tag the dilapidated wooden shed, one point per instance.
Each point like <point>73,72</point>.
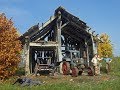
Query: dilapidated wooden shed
<point>63,31</point>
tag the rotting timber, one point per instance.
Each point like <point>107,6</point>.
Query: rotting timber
<point>61,33</point>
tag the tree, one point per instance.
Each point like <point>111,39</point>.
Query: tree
<point>105,46</point>
<point>10,47</point>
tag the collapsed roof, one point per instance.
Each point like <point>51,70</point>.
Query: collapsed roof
<point>71,25</point>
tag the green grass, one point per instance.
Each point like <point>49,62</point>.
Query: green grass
<point>112,84</point>
<point>103,82</point>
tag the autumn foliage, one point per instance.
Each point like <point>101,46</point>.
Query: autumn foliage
<point>10,47</point>
<point>105,46</point>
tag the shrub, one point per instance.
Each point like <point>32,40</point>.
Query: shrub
<point>10,48</point>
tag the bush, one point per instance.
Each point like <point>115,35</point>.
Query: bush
<point>20,71</point>
<point>10,48</point>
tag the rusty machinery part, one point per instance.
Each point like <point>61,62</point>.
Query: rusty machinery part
<point>80,72</point>
<point>81,69</point>
<point>75,72</point>
<point>90,71</point>
<point>65,68</point>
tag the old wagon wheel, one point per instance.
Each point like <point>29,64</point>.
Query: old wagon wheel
<point>90,71</point>
<point>75,72</point>
<point>65,68</point>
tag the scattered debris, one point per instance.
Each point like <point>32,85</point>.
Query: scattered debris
<point>25,81</point>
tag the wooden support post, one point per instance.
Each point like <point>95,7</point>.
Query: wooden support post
<point>26,49</point>
<point>31,55</point>
<point>94,46</point>
<point>66,44</point>
<point>88,63</point>
<point>59,23</point>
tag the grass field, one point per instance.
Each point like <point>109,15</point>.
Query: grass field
<point>103,82</point>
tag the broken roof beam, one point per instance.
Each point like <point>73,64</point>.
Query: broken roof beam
<point>89,30</point>
<point>40,33</point>
<point>79,26</point>
<point>93,33</point>
<point>68,15</point>
<point>43,45</point>
<point>30,31</point>
<point>65,24</point>
<point>77,32</point>
<point>44,25</point>
<point>72,36</point>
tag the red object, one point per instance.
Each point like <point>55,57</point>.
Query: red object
<point>74,72</point>
<point>65,68</point>
<point>90,71</point>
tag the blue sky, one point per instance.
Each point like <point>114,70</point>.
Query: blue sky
<point>103,16</point>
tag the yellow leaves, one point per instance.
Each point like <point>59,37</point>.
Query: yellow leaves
<point>105,47</point>
<point>10,47</point>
